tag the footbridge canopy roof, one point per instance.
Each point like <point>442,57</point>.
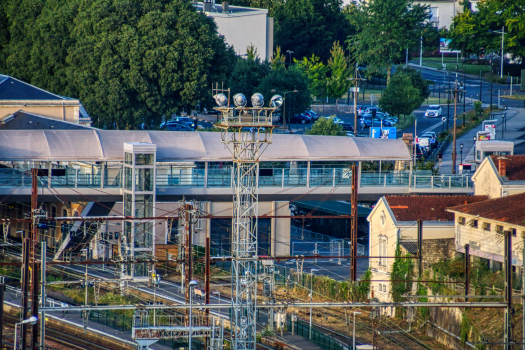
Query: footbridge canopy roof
<point>108,145</point>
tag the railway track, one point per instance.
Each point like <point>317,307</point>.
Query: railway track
<point>68,340</point>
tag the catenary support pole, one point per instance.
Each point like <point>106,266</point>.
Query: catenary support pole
<point>353,265</point>
<point>34,266</point>
<point>207,281</point>
<point>420,248</point>
<point>2,290</point>
<point>25,290</point>
<point>507,331</point>
<point>467,269</point>
<point>523,292</point>
<point>43,296</point>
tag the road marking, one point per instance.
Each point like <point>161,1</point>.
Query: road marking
<point>432,127</point>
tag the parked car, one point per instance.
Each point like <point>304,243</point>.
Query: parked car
<point>368,122</point>
<point>175,126</point>
<point>361,109</point>
<point>350,134</point>
<point>432,138</point>
<point>347,127</point>
<point>185,120</point>
<point>210,111</point>
<point>300,119</point>
<point>433,111</point>
<point>312,114</point>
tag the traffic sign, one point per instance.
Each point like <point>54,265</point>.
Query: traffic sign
<point>353,89</point>
<point>444,119</point>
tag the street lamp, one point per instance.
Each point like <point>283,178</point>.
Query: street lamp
<point>284,104</point>
<point>502,32</point>
<point>311,296</point>
<point>290,52</point>
<point>353,338</point>
<point>461,152</point>
<point>193,284</point>
<point>33,320</point>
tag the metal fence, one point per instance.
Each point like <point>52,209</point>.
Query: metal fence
<point>319,338</point>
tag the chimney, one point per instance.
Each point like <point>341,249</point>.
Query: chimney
<point>225,7</point>
<point>502,166</point>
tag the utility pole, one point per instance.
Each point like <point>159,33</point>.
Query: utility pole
<point>523,291</point>
<point>467,269</point>
<point>2,290</point>
<point>420,248</point>
<point>25,288</point>
<point>43,296</point>
<point>34,268</point>
<point>356,80</point>
<point>353,232</point>
<point>207,261</point>
<point>507,331</point>
<point>454,156</point>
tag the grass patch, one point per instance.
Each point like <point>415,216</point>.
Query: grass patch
<point>514,97</point>
<point>405,122</point>
<point>451,62</point>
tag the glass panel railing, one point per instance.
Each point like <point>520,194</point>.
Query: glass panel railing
<point>10,177</point>
<point>220,177</point>
<point>295,177</point>
<point>388,179</point>
<point>89,180</point>
<point>442,181</point>
<point>271,177</point>
<point>195,178</point>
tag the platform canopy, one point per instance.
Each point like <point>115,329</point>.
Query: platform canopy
<point>108,145</point>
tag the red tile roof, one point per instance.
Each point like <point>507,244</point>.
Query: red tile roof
<point>515,166</point>
<point>509,209</point>
<point>427,208</point>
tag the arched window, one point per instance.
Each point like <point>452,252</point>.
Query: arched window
<point>53,211</point>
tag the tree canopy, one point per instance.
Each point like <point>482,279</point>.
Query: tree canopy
<point>400,96</point>
<point>326,126</point>
<point>128,62</point>
<point>385,28</point>
<point>340,72</point>
<point>283,80</point>
<point>417,81</point>
<point>470,30</point>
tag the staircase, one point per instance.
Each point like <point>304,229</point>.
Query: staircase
<point>82,232</point>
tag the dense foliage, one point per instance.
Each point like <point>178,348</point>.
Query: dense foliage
<point>128,62</point>
<point>400,97</point>
<point>470,31</point>
<point>385,29</point>
<point>326,126</point>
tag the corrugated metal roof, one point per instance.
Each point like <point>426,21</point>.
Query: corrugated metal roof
<point>105,145</point>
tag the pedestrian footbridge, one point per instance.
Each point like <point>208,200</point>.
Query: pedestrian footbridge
<point>88,165</point>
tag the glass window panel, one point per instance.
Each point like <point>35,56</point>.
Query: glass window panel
<point>128,158</point>
<point>144,159</point>
<point>143,206</point>
<point>128,179</point>
<point>128,204</point>
<point>143,180</point>
<point>144,235</point>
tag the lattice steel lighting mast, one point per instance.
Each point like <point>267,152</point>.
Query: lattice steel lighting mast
<point>244,130</point>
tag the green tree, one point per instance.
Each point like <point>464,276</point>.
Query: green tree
<point>417,81</point>
<point>316,72</point>
<point>401,277</point>
<point>247,75</point>
<point>283,80</point>
<point>326,126</point>
<point>400,96</point>
<point>309,27</point>
<point>385,29</point>
<point>278,60</point>
<point>470,30</point>
<point>129,62</point>
<point>338,82</point>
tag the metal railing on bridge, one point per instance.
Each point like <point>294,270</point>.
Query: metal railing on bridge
<point>330,177</point>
